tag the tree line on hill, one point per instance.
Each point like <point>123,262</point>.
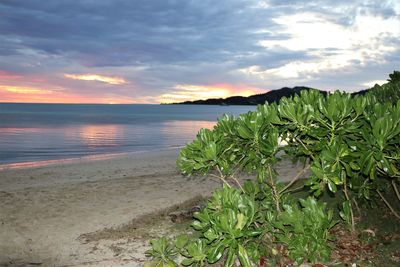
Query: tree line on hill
<point>275,95</point>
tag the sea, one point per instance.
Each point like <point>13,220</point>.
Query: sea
<point>35,134</point>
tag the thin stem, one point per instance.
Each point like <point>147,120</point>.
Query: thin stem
<point>299,174</point>
<point>388,205</point>
<point>357,207</point>
<point>332,133</point>
<point>274,191</point>
<point>354,119</point>
<point>301,142</point>
<point>237,182</point>
<point>295,189</point>
<point>395,189</point>
<point>237,167</point>
<point>220,178</point>
<point>351,209</point>
<point>323,122</point>
<point>395,158</point>
<point>219,171</point>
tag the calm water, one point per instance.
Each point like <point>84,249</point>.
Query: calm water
<point>43,132</point>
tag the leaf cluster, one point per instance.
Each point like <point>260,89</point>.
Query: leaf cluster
<point>236,226</point>
<point>350,143</point>
<point>305,230</point>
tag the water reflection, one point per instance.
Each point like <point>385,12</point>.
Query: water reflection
<point>30,147</point>
<point>183,131</point>
<point>101,135</point>
<point>15,131</point>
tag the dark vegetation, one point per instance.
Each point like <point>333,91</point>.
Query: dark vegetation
<point>274,96</point>
<point>347,212</point>
<point>270,97</point>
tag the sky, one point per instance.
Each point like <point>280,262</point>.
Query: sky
<point>163,51</point>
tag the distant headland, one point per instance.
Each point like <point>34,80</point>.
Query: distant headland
<point>270,97</point>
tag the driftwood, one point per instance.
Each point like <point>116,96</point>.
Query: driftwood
<point>181,216</point>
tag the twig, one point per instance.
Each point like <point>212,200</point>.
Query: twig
<point>295,178</point>
<point>351,209</point>
<point>357,207</point>
<point>236,169</point>
<point>295,189</point>
<point>395,189</point>
<point>274,191</point>
<point>237,182</point>
<point>220,178</point>
<point>301,142</point>
<point>388,205</point>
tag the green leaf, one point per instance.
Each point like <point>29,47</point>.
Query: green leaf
<point>354,166</point>
<point>210,151</point>
<point>187,262</point>
<point>181,241</point>
<point>215,253</point>
<point>230,258</point>
<point>243,257</point>
<point>241,221</point>
<point>210,234</point>
<point>197,225</point>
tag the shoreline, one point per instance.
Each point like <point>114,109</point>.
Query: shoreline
<point>102,167</point>
<point>44,210</point>
<point>71,160</point>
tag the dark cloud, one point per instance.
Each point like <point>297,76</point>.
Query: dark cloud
<point>175,41</point>
<point>122,33</point>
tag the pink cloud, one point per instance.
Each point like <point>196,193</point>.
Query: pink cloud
<point>4,74</point>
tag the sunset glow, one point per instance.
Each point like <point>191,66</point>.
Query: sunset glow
<point>189,92</point>
<point>23,94</point>
<point>7,75</point>
<point>96,77</point>
<point>24,90</point>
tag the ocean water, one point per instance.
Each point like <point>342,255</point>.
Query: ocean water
<point>34,133</point>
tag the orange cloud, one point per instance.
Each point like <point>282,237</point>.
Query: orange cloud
<point>24,90</point>
<point>25,94</point>
<point>96,77</point>
<point>188,92</point>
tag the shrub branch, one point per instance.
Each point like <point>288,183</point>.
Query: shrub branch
<point>388,205</point>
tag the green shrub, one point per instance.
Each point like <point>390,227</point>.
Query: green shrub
<point>227,223</point>
<point>351,144</point>
<point>305,231</point>
<point>234,225</point>
<point>388,92</point>
<point>162,252</point>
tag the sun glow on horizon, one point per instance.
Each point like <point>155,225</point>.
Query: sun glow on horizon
<point>24,90</point>
<point>31,94</point>
<point>190,92</point>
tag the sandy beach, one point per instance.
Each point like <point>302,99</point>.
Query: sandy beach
<point>44,211</point>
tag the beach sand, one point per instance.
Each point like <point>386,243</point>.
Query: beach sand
<point>46,211</point>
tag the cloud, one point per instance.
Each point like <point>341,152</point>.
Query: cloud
<point>96,77</point>
<point>333,46</point>
<point>370,84</point>
<point>132,33</point>
<point>8,75</point>
<point>50,95</point>
<point>159,44</point>
<point>24,90</point>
